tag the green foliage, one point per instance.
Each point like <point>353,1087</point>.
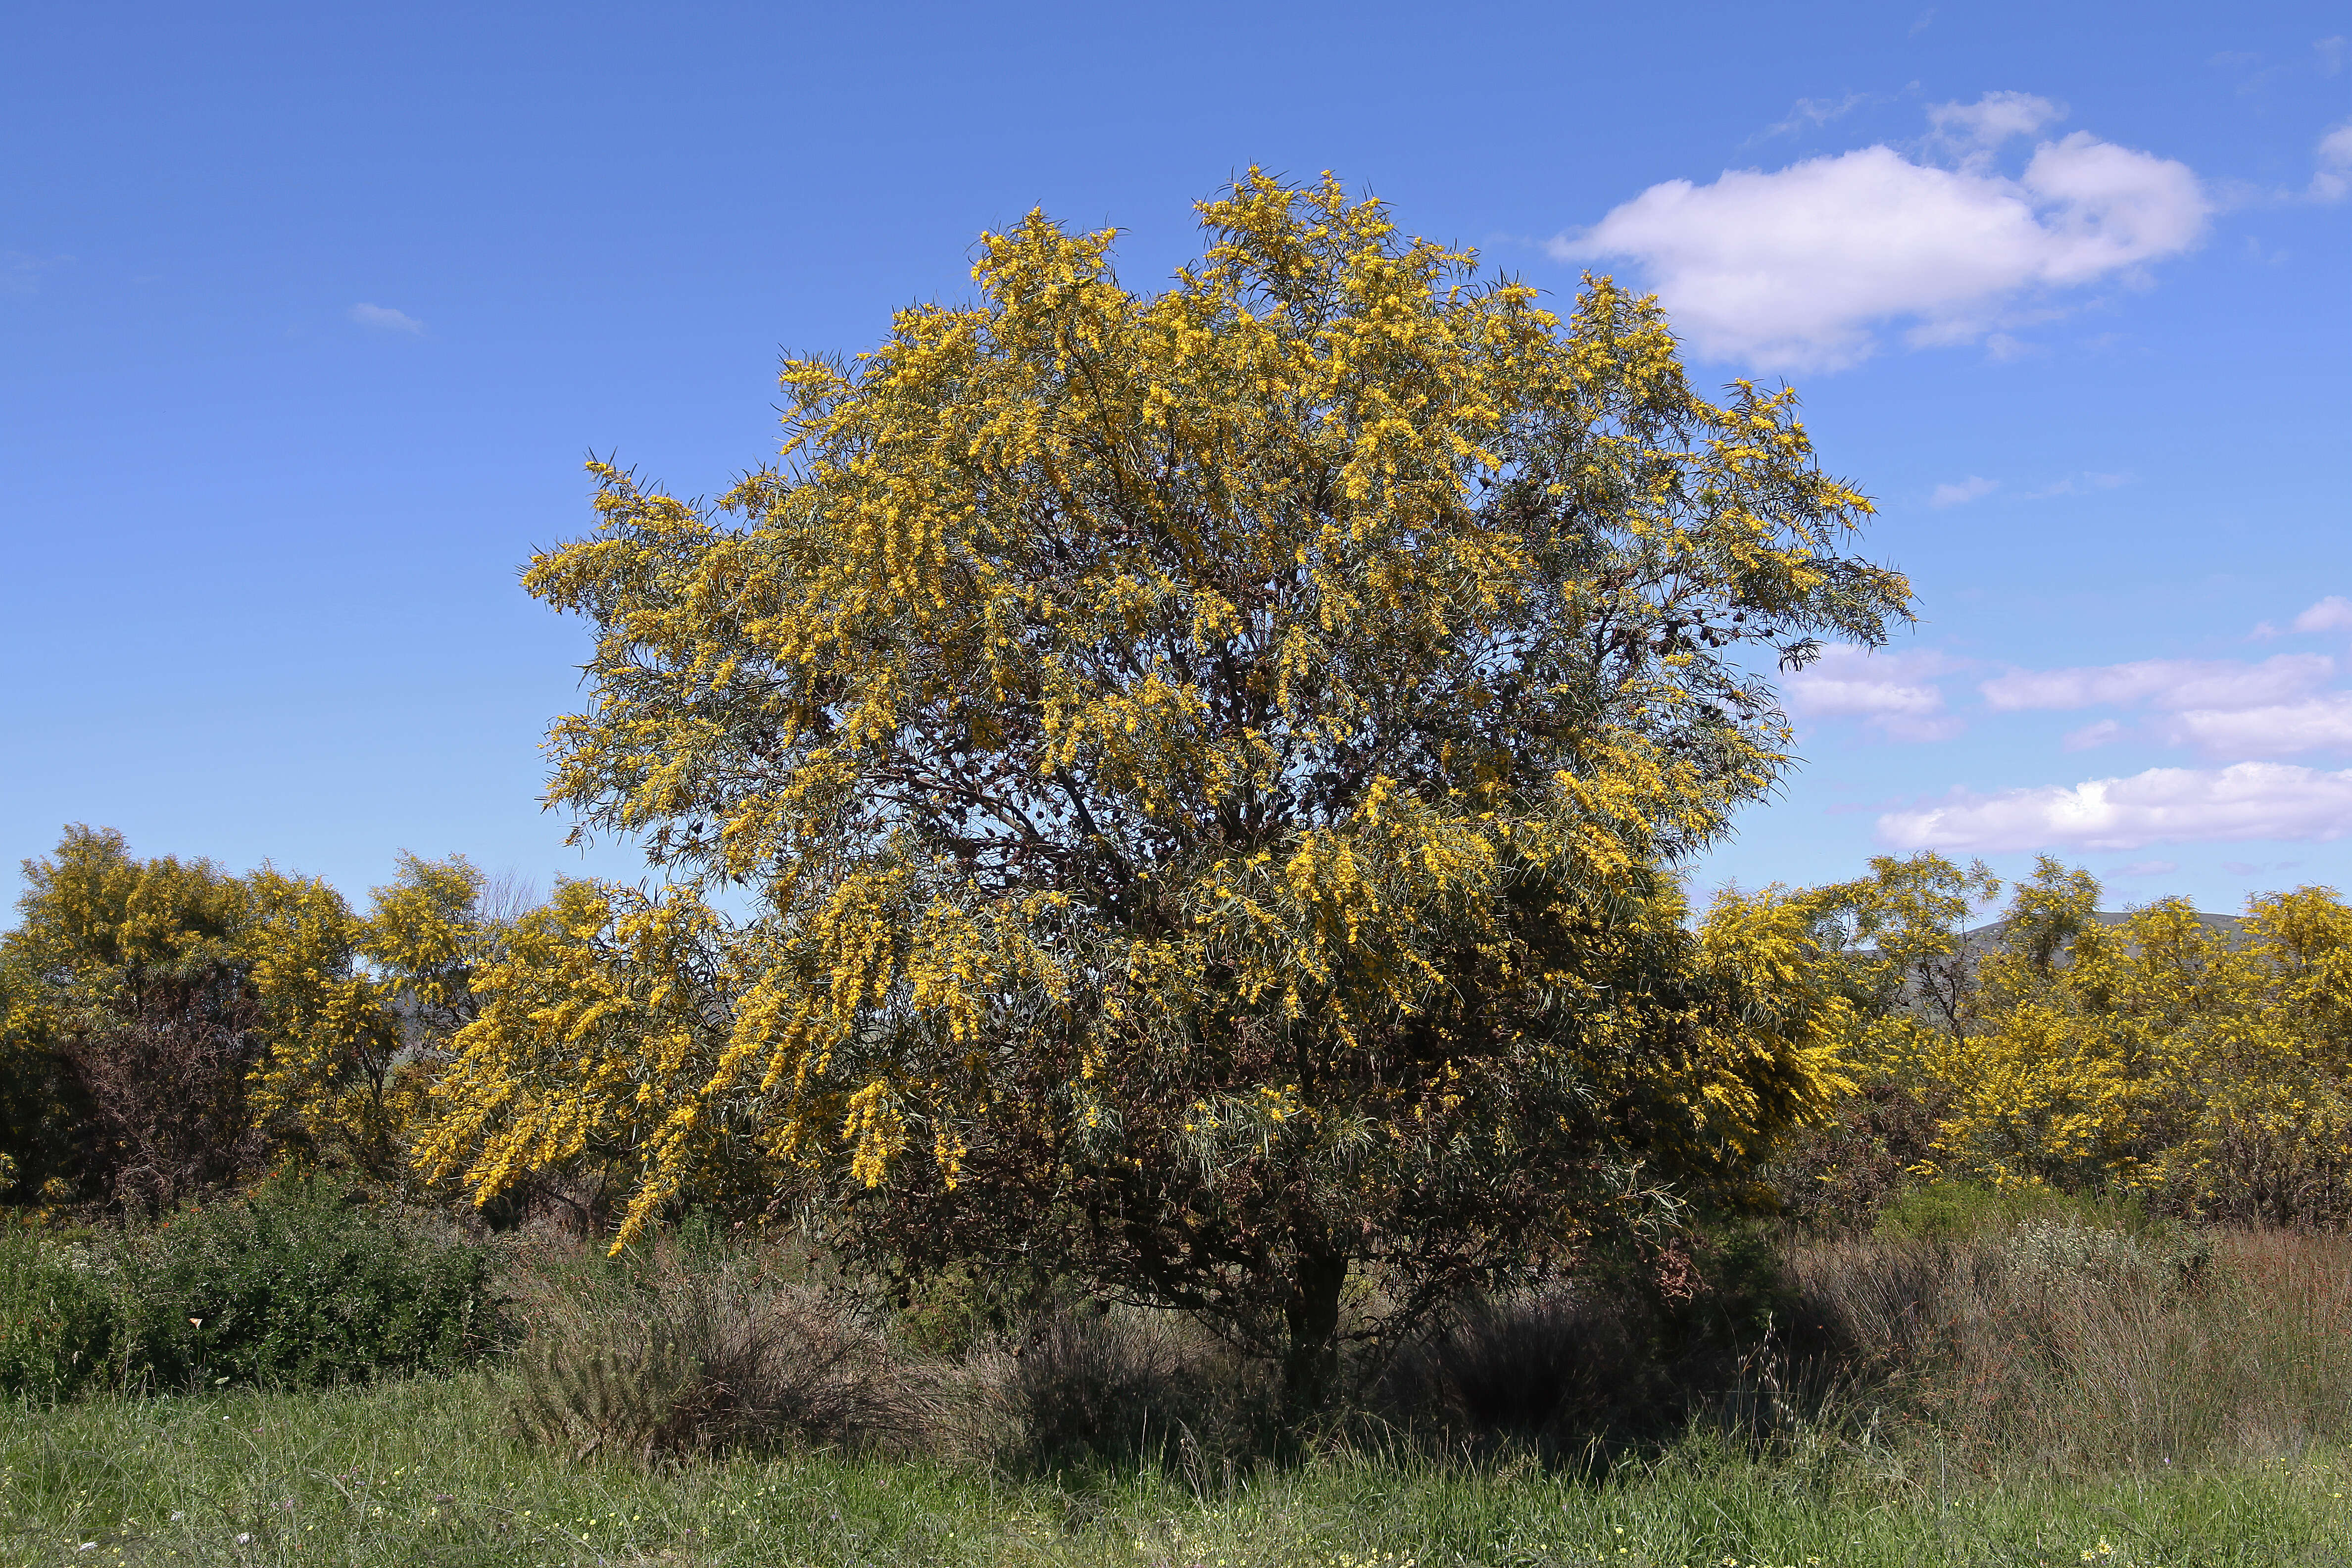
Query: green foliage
<point>58,1323</point>
<point>949,1311</point>
<point>300,1282</point>
<point>1957,1211</point>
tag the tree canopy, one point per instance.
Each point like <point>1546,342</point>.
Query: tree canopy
<point>1208,766</point>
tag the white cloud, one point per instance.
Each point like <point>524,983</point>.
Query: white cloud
<point>1809,112</point>
<point>1893,692</point>
<point>2146,869</point>
<point>2091,735</point>
<point>2333,614</point>
<point>2171,683</point>
<point>2247,800</point>
<point>2077,485</point>
<point>1801,266</point>
<point>2221,684</point>
<point>385,317</point>
<point>1976,486</point>
<point>1994,118</point>
<point>2220,707</point>
<point>1967,490</point>
<point>2276,730</point>
<point>20,273</point>
<point>2334,155</point>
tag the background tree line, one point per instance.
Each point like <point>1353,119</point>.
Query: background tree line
<point>171,1030</point>
<point>2198,1062</point>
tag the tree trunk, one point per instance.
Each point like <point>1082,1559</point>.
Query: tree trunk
<point>1311,1363</point>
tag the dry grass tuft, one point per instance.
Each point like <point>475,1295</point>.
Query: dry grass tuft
<point>693,1356</point>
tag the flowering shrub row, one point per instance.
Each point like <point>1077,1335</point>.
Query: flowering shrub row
<point>2201,1064</point>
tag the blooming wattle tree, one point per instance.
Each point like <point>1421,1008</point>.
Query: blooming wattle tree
<point>1206,767</point>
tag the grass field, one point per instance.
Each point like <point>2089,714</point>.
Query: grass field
<point>2046,1392</point>
<point>426,1473</point>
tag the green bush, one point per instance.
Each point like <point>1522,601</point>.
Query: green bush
<point>1961,1211</point>
<point>948,1312</point>
<point>300,1282</point>
<point>57,1322</point>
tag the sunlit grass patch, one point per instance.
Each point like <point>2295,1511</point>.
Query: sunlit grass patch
<point>427,1473</point>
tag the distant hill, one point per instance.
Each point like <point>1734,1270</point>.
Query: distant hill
<point>1987,936</point>
<point>1985,939</point>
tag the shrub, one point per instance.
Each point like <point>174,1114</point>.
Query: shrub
<point>2060,1252</point>
<point>57,1322</point>
<point>952,1311</point>
<point>1087,1384</point>
<point>300,1282</point>
<point>1552,1374</point>
<point>1959,1211</point>
<point>1835,1178</point>
<point>687,1353</point>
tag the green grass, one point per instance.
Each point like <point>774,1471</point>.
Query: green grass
<point>425,1473</point>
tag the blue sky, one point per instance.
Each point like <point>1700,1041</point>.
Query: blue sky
<point>308,314</point>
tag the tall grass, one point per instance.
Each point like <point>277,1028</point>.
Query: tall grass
<point>2062,1345</point>
<point>2049,1342</point>
<point>2046,1347</point>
